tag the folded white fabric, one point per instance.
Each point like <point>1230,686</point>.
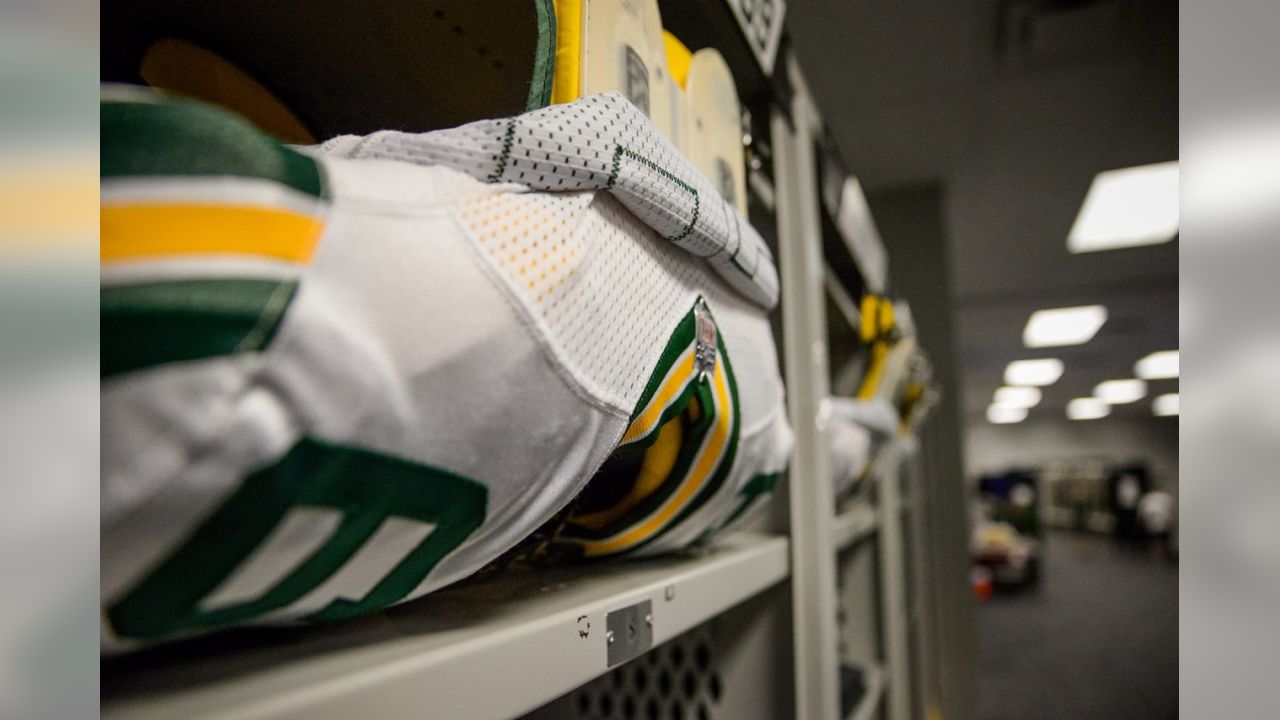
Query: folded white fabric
<point>876,415</point>
<point>850,445</point>
<point>331,385</point>
<point>860,429</point>
<point>601,142</point>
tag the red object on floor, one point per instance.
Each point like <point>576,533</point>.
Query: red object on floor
<point>980,580</point>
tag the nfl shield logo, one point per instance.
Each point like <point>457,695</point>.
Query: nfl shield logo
<point>704,350</point>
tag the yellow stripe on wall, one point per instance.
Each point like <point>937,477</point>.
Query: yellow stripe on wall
<point>702,470</point>
<point>133,232</point>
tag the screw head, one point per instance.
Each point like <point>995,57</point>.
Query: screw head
<point>608,637</point>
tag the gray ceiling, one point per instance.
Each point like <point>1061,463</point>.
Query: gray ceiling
<point>1012,106</point>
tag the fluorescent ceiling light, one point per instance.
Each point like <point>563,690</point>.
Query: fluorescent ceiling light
<point>1126,208</point>
<point>1023,397</point>
<point>1119,392</point>
<point>1158,366</point>
<point>1063,326</point>
<point>1165,405</point>
<point>1033,372</point>
<point>1087,409</point>
<point>1005,414</point>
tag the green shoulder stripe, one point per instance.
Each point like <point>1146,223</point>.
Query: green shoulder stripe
<point>757,487</point>
<point>185,138</point>
<point>680,341</point>
<point>695,431</point>
<point>162,322</point>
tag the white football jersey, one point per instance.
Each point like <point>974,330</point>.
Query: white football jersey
<point>850,452</point>
<point>331,384</point>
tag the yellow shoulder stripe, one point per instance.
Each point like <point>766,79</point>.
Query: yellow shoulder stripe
<point>875,368</point>
<point>710,456</point>
<point>876,322</point>
<point>671,387</point>
<point>133,232</point>
<point>659,459</point>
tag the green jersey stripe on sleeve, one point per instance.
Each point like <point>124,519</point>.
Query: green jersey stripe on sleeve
<point>156,323</point>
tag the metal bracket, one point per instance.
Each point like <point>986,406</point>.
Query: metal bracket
<point>628,632</point>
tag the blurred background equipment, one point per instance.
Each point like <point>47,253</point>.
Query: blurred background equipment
<point>1007,532</point>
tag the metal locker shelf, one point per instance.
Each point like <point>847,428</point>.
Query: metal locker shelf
<point>489,649</point>
<point>870,702</point>
<point>854,525</point>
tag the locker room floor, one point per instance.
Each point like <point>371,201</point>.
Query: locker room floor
<point>1098,639</point>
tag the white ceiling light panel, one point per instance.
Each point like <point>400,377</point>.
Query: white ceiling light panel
<point>1023,397</point>
<point>1005,414</point>
<point>1119,392</point>
<point>1040,373</point>
<point>1087,409</point>
<point>1165,405</point>
<point>1161,365</point>
<point>1063,326</point>
<point>1128,208</point>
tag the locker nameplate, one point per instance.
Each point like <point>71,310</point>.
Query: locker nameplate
<point>629,632</point>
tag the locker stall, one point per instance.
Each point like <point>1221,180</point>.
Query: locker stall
<point>819,609</point>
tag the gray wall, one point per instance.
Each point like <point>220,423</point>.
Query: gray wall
<point>992,448</point>
<point>912,222</point>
